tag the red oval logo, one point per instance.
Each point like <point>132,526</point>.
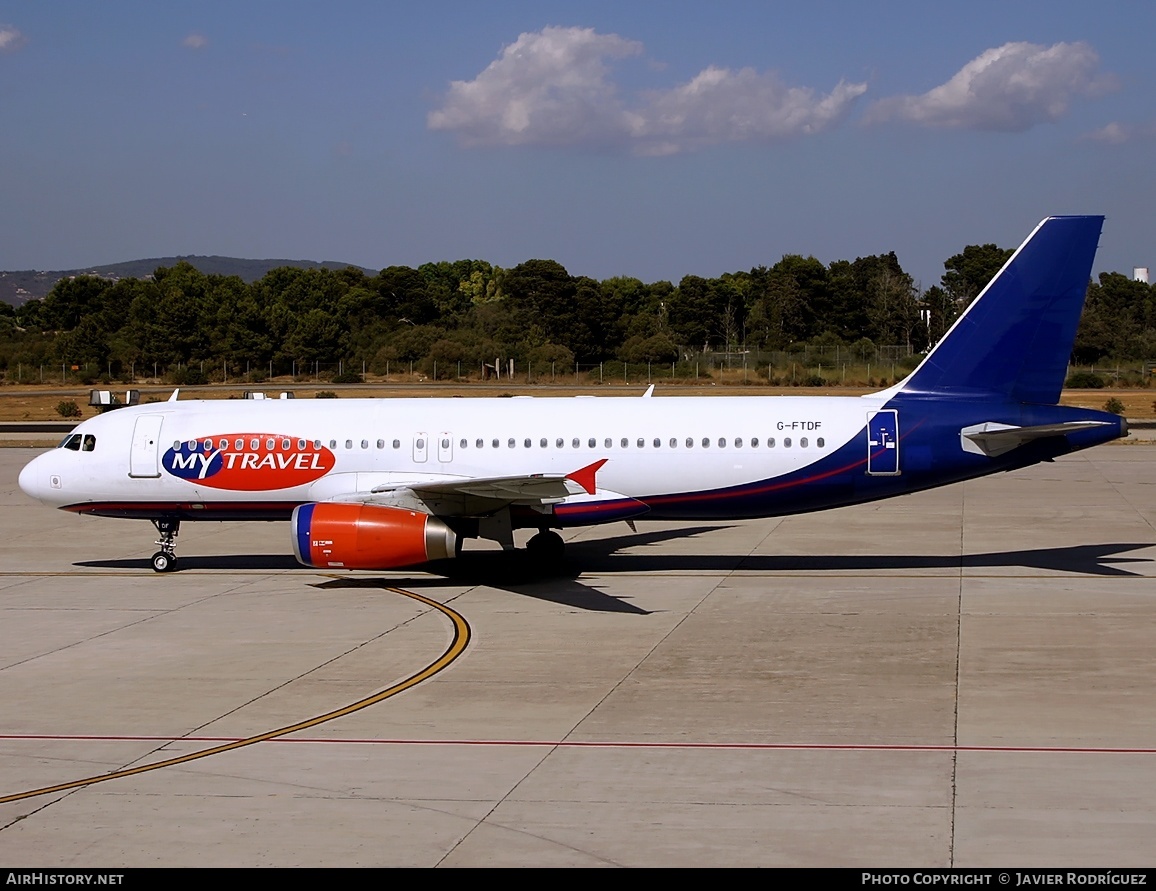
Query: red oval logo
<point>248,462</point>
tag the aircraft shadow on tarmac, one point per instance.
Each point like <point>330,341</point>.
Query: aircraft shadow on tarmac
<point>511,571</point>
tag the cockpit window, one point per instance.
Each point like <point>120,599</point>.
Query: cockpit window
<point>75,442</point>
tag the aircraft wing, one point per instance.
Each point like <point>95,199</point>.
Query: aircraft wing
<point>466,496</point>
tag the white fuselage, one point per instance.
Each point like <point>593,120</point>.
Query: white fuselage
<point>651,446</point>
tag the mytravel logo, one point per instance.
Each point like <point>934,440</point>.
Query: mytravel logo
<point>249,462</point>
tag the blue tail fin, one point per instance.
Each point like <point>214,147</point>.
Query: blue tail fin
<point>1015,339</point>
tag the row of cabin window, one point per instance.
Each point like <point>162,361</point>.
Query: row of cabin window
<point>592,442</point>
<point>239,444</point>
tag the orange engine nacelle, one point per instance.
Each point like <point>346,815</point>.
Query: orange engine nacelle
<point>365,536</point>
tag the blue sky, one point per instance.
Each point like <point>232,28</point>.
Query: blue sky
<point>646,139</point>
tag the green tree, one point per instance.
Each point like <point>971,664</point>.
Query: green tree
<point>787,299</point>
<point>403,295</point>
<point>84,345</point>
<point>893,309</point>
<point>968,273</point>
<point>316,336</point>
<point>71,299</point>
<point>706,313</point>
<point>940,310</point>
<point>658,348</point>
<point>1117,321</point>
<point>543,298</point>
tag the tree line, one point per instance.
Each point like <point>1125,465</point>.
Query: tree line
<point>467,313</point>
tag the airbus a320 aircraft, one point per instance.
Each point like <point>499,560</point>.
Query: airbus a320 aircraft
<point>383,483</point>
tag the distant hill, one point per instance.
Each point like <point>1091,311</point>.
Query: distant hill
<point>23,285</point>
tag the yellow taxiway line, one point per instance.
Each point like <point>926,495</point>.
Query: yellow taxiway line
<point>457,646</point>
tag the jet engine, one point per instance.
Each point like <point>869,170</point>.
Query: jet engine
<point>366,536</point>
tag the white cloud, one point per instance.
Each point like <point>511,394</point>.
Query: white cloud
<point>1117,133</point>
<point>195,41</point>
<point>11,39</point>
<point>1008,88</point>
<point>546,88</point>
<point>720,105</point>
<point>1114,133</point>
<point>553,87</point>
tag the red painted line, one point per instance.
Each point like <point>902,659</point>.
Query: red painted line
<point>606,744</point>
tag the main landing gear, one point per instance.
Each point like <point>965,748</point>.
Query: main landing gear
<point>546,548</point>
<point>165,560</point>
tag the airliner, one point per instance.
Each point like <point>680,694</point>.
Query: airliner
<point>377,484</point>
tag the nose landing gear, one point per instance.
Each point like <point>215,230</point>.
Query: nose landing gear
<point>165,560</point>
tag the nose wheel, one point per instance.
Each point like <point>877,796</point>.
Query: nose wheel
<point>165,560</point>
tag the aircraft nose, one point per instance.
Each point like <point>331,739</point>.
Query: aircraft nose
<point>36,479</point>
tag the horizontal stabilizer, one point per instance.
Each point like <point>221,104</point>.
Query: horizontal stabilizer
<point>994,439</point>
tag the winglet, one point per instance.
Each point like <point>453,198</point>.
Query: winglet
<point>176,392</point>
<point>649,392</point>
<point>585,476</point>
